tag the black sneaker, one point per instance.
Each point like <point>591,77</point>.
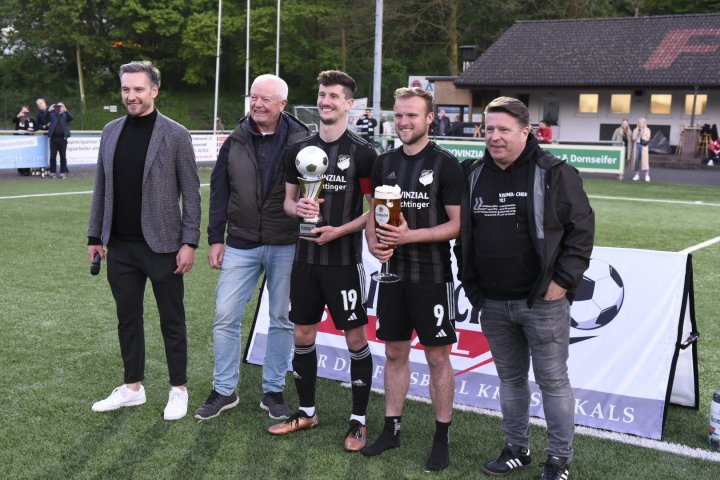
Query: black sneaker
<point>216,404</point>
<point>511,458</point>
<point>556,468</point>
<point>273,403</point>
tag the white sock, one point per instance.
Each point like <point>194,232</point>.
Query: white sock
<point>309,411</point>
<point>359,418</point>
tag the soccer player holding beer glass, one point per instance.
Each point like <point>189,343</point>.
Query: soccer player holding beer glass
<point>386,207</point>
<point>430,183</point>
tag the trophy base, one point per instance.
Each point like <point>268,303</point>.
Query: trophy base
<point>385,277</point>
<point>306,230</point>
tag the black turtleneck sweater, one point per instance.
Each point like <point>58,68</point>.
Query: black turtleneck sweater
<point>128,168</point>
<point>505,258</point>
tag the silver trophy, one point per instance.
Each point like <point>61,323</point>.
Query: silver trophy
<point>311,163</point>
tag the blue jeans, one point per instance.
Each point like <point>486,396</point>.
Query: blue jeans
<point>240,272</point>
<point>638,156</point>
<point>515,334</point>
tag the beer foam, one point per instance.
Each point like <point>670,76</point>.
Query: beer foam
<point>387,192</point>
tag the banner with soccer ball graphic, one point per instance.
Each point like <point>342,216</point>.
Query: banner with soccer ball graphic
<point>631,316</point>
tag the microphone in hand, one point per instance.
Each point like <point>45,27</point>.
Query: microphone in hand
<point>95,265</point>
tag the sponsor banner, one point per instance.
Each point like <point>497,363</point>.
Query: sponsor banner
<point>207,146</point>
<point>23,151</point>
<point>585,158</point>
<point>83,149</point>
<point>630,310</point>
<point>32,151</point>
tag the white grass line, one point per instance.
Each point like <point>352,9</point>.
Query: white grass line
<point>45,195</point>
<point>704,244</point>
<point>655,200</point>
<point>674,448</point>
<point>60,194</point>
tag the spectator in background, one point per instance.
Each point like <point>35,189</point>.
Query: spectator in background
<point>456,127</point>
<point>366,126</point>
<point>641,139</point>
<point>43,116</point>
<point>543,133</point>
<point>623,134</point>
<point>714,149</point>
<point>441,124</point>
<point>24,123</point>
<point>388,130</point>
<point>59,132</point>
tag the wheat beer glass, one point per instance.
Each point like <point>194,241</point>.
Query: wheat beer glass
<point>386,211</point>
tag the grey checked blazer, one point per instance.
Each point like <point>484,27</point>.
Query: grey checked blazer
<point>170,178</point>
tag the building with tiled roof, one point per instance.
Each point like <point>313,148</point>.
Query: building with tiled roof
<point>584,76</point>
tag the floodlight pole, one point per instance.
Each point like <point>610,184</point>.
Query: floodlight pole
<point>217,69</point>
<point>377,59</point>
<point>247,59</point>
<point>277,42</point>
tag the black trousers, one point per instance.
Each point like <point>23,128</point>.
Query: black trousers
<point>58,145</point>
<point>129,265</point>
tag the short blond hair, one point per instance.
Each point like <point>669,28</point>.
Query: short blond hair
<point>407,92</point>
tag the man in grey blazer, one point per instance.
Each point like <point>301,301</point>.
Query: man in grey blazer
<point>146,211</point>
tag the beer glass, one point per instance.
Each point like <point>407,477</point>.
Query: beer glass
<point>386,211</point>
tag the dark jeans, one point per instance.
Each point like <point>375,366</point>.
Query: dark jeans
<point>129,266</point>
<point>58,145</point>
<point>516,334</point>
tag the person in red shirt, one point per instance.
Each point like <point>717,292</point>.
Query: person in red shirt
<point>714,149</point>
<point>544,133</point>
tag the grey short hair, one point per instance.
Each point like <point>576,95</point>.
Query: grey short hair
<point>281,88</point>
<point>146,66</point>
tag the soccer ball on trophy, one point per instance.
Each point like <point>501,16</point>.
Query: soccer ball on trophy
<point>311,162</point>
<point>598,298</point>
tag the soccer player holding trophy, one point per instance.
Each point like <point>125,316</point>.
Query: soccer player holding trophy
<point>418,250</point>
<point>328,266</point>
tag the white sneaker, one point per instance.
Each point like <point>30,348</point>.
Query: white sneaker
<point>647,177</point>
<point>122,396</point>
<point>636,177</point>
<point>177,405</point>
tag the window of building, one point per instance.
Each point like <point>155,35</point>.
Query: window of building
<point>700,104</point>
<point>588,103</point>
<point>620,103</point>
<point>660,103</point>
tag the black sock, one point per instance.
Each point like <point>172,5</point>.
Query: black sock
<point>440,454</point>
<point>361,365</point>
<point>304,364</point>
<point>389,438</point>
<point>442,432</point>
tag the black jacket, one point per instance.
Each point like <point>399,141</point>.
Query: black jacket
<point>235,197</point>
<point>562,224</point>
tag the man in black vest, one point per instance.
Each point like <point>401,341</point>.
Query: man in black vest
<point>247,191</point>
